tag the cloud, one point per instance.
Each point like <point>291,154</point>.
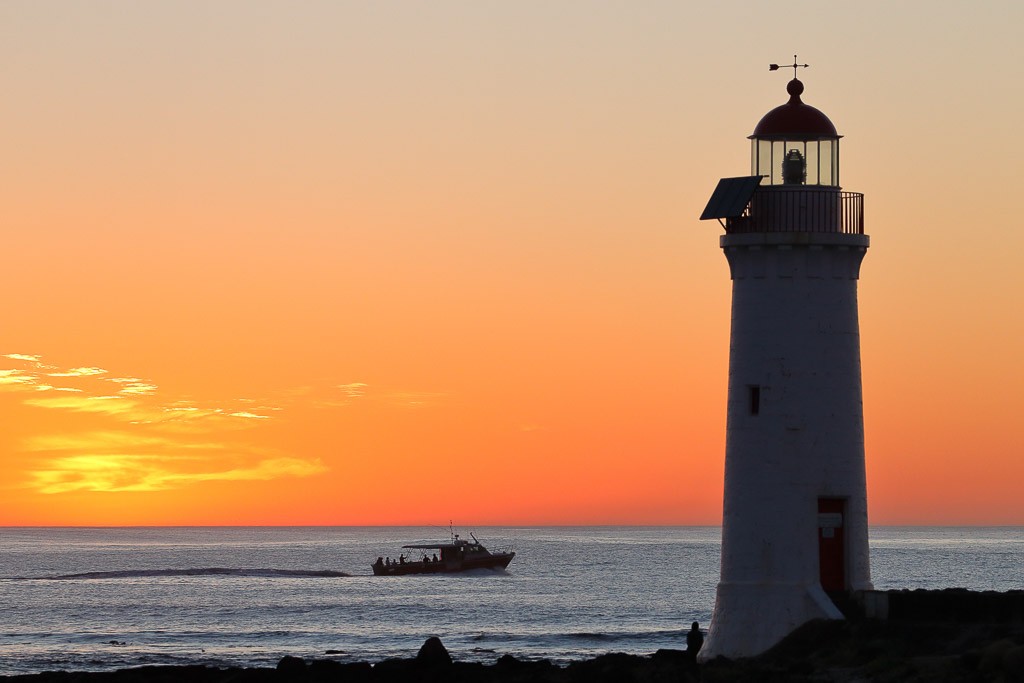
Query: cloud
<point>415,398</point>
<point>353,389</point>
<point>272,468</point>
<point>15,377</point>
<point>23,356</point>
<point>122,461</point>
<point>340,395</point>
<point>78,372</point>
<point>101,440</point>
<point>135,408</point>
<point>133,386</point>
<point>126,473</point>
<point>139,442</point>
<point>109,405</point>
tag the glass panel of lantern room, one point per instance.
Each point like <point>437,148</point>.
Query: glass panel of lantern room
<point>835,151</point>
<point>813,170</point>
<point>764,159</point>
<point>778,155</point>
<point>829,169</point>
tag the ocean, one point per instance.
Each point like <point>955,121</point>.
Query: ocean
<point>106,598</point>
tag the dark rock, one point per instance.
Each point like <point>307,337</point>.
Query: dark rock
<point>469,672</point>
<point>610,668</point>
<point>993,657</point>
<point>508,669</point>
<point>292,666</point>
<point>354,672</point>
<point>433,653</point>
<point>509,662</point>
<point>324,669</point>
<point>395,670</point>
<point>957,605</point>
<point>1013,664</point>
<point>674,656</point>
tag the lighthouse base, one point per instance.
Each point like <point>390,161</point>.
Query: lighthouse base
<point>749,618</point>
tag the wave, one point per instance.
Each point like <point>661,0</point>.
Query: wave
<point>194,571</point>
<point>567,638</point>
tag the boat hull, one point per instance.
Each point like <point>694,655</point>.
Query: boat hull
<point>492,561</point>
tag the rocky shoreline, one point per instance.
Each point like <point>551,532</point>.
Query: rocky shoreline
<point>945,636</point>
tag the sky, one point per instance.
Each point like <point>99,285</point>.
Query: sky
<point>358,263</point>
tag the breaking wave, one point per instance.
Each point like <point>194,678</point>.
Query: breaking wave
<point>196,571</point>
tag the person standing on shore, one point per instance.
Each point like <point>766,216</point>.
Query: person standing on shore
<point>694,640</point>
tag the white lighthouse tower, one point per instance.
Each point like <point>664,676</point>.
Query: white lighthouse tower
<point>794,532</point>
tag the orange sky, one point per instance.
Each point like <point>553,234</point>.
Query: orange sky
<point>396,262</point>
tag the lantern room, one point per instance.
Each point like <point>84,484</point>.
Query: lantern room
<point>795,144</point>
<point>793,184</point>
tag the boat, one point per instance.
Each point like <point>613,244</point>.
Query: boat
<point>458,555</point>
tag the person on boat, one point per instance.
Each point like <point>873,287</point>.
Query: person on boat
<point>379,562</point>
<point>435,557</point>
<point>401,559</point>
<point>426,559</point>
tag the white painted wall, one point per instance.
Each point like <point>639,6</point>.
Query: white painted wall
<point>795,334</point>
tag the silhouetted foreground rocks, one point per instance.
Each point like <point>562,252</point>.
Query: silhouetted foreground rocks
<point>935,636</point>
<point>665,666</point>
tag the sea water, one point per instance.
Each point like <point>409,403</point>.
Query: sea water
<point>99,599</point>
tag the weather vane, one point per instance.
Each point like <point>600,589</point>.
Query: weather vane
<point>776,67</point>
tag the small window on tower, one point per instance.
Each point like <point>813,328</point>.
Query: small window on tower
<point>755,399</point>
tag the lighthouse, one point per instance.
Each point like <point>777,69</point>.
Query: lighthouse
<point>795,523</point>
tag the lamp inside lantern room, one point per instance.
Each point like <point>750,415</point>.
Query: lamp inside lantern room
<point>794,168</point>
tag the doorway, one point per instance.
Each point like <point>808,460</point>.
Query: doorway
<point>831,544</point>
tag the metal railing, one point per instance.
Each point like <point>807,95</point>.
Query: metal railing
<point>781,209</point>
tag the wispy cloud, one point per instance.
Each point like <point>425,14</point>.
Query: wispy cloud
<point>112,461</point>
<point>109,405</point>
<point>136,400</point>
<point>114,473</point>
<point>132,386</point>
<point>10,377</point>
<point>156,443</point>
<point>23,356</point>
<point>347,394</point>
<point>78,372</point>
<point>142,440</point>
<point>340,395</point>
<point>353,389</point>
<point>104,441</point>
<point>415,398</point>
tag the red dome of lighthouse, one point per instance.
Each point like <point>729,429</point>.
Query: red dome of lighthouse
<point>795,120</point>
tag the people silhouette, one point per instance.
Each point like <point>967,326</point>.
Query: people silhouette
<point>694,640</point>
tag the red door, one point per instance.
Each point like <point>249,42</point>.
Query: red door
<point>831,547</point>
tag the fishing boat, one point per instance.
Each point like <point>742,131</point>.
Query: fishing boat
<point>457,555</point>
